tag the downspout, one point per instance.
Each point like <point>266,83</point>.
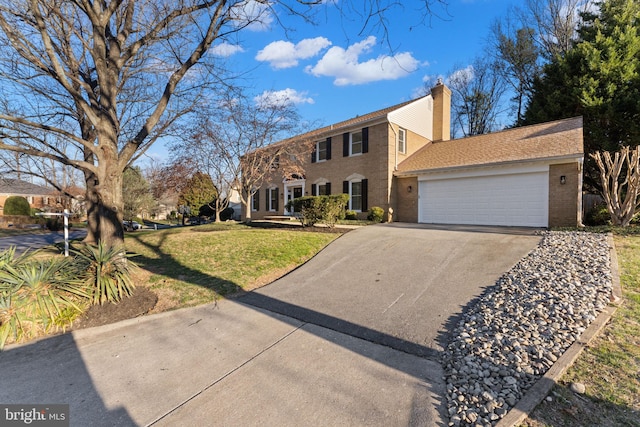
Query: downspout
<point>580,182</point>
<point>395,142</point>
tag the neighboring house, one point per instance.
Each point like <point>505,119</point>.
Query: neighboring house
<point>401,159</point>
<point>39,197</point>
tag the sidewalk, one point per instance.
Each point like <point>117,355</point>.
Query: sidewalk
<point>226,365</point>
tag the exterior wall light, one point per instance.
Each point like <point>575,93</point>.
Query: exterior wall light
<point>563,179</point>
<point>409,189</point>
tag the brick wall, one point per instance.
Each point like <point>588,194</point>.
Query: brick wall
<point>565,199</point>
<point>377,166</point>
<point>406,200</point>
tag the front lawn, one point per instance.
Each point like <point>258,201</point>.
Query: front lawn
<point>196,265</point>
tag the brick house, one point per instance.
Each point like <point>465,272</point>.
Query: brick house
<point>39,197</point>
<point>401,159</point>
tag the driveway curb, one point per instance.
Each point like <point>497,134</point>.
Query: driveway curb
<point>543,386</point>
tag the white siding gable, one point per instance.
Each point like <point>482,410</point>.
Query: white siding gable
<point>416,116</point>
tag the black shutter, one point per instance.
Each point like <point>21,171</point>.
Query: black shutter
<point>313,156</point>
<point>257,200</point>
<point>365,191</point>
<point>345,187</point>
<point>328,188</point>
<point>267,206</point>
<point>313,189</point>
<point>365,140</point>
<point>329,148</point>
<point>277,199</point>
<point>345,144</point>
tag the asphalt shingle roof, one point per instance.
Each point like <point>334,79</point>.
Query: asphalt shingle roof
<point>557,139</point>
<point>22,188</point>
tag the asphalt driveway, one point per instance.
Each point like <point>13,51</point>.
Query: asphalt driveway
<point>350,338</point>
<point>399,285</point>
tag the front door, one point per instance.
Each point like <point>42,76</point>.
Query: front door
<point>292,192</point>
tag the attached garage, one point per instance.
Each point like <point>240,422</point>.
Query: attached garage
<point>526,177</point>
<point>506,198</point>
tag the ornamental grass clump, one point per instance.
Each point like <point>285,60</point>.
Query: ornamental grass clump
<point>36,296</point>
<point>106,272</point>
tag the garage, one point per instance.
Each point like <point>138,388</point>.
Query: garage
<point>505,197</point>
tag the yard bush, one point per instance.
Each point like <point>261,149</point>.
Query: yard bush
<point>17,205</point>
<point>376,214</point>
<point>598,215</point>
<point>315,209</point>
<point>106,272</point>
<point>36,295</point>
<point>351,215</point>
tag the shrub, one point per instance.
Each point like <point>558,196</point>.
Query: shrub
<point>598,215</point>
<point>106,272</point>
<point>35,295</point>
<point>334,208</point>
<point>314,209</point>
<point>376,214</point>
<point>310,209</point>
<point>226,214</point>
<point>17,205</point>
<point>351,215</point>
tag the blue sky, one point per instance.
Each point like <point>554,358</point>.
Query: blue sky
<point>332,73</point>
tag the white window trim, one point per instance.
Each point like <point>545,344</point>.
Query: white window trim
<point>351,182</point>
<point>270,208</point>
<point>255,194</point>
<point>318,159</point>
<point>351,153</point>
<point>403,149</point>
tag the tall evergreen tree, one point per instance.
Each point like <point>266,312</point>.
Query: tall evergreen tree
<point>598,78</point>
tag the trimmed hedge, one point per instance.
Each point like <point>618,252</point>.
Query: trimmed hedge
<point>17,205</point>
<point>315,209</point>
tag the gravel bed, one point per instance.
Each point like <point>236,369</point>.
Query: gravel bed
<point>520,326</point>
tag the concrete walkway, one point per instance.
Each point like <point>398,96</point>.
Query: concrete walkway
<point>350,338</point>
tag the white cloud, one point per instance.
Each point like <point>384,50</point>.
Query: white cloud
<point>253,15</point>
<point>282,97</point>
<point>225,49</point>
<point>284,54</point>
<point>462,76</point>
<point>344,65</point>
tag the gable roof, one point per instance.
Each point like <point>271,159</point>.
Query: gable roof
<point>22,188</point>
<point>546,141</point>
<point>369,117</point>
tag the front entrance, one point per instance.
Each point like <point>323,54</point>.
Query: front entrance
<point>292,190</point>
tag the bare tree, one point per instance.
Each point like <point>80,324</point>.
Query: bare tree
<point>238,128</point>
<point>620,179</point>
<point>476,92</point>
<point>105,77</point>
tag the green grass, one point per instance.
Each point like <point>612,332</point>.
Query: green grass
<point>195,265</point>
<point>610,365</point>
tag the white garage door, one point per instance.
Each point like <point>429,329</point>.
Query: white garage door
<point>513,200</point>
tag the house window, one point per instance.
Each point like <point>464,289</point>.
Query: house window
<point>255,201</point>
<point>402,141</point>
<point>355,193</point>
<point>355,144</point>
<point>272,199</point>
<point>357,189</point>
<point>321,151</point>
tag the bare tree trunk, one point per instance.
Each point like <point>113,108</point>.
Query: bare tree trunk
<point>621,195</point>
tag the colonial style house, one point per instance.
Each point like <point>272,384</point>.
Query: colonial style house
<point>401,159</point>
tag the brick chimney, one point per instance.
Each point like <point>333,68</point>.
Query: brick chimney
<point>441,112</point>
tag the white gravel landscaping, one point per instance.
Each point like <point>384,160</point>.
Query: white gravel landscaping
<point>520,326</point>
